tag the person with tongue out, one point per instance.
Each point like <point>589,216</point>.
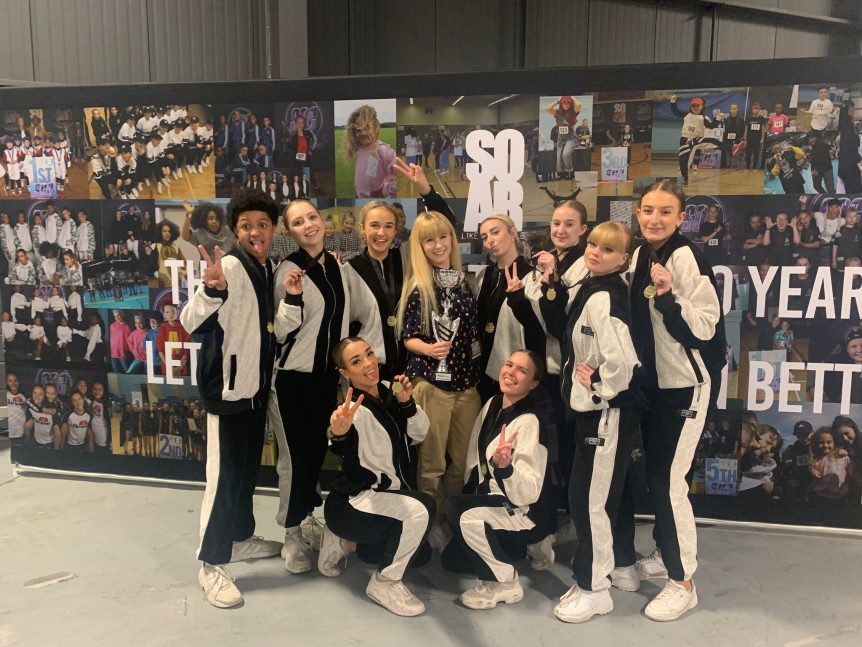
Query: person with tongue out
<point>231,314</point>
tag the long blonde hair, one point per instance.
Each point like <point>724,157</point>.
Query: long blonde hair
<point>429,224</point>
<point>351,142</point>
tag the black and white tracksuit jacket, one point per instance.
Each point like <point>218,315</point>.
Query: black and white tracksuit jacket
<point>685,344</point>
<point>377,452</point>
<point>526,482</point>
<point>235,364</point>
<point>309,325</point>
<point>506,320</point>
<point>599,333</point>
<point>554,312</point>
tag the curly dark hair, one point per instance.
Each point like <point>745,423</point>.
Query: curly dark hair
<point>251,200</point>
<point>201,211</point>
<point>175,231</point>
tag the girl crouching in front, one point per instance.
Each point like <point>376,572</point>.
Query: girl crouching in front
<point>374,503</point>
<point>504,505</point>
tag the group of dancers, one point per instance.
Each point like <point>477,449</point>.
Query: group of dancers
<point>467,409</point>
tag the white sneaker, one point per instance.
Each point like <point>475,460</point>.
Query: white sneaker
<point>134,193</point>
<point>312,531</point>
<point>565,533</point>
<point>578,605</point>
<point>651,567</point>
<point>255,547</point>
<point>159,186</point>
<point>672,602</point>
<point>393,596</point>
<point>488,594</point>
<point>218,586</point>
<point>296,552</point>
<point>332,552</point>
<point>626,578</point>
<point>542,554</point>
<point>438,537</point>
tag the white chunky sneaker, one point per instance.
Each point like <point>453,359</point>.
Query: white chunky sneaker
<point>651,567</point>
<point>296,552</point>
<point>332,552</point>
<point>672,602</point>
<point>312,531</point>
<point>578,605</point>
<point>393,596</point>
<point>626,578</point>
<point>218,586</point>
<point>255,547</point>
<point>542,554</point>
<point>488,594</point>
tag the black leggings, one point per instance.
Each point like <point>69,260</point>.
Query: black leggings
<point>306,401</point>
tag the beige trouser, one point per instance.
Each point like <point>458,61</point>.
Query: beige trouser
<point>452,415</point>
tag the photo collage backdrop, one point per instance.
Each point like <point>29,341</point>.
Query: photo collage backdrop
<point>99,207</point>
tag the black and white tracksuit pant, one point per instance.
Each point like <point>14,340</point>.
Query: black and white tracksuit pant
<point>234,446</point>
<point>306,401</point>
<point>391,525</point>
<point>490,535</point>
<point>604,443</point>
<point>671,428</point>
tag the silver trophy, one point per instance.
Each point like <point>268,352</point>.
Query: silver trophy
<point>445,327</point>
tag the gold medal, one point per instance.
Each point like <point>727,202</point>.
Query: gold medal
<point>484,470</point>
<point>397,388</point>
<point>649,291</point>
<point>270,327</point>
<point>489,328</point>
<point>391,321</point>
<point>551,294</point>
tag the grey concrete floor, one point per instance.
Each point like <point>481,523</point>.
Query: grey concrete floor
<point>131,548</point>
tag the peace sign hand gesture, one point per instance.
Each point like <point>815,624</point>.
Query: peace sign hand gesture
<point>513,283</point>
<point>213,274</point>
<point>342,418</point>
<point>415,174</point>
<point>502,456</point>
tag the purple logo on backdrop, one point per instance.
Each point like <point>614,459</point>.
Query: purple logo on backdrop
<point>166,296</point>
<point>63,118</point>
<point>10,120</point>
<point>820,202</point>
<point>696,210</point>
<point>314,121</point>
<point>242,112</point>
<point>61,379</point>
<point>643,112</point>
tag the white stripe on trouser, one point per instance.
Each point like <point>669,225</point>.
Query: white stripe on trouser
<point>472,524</point>
<point>212,473</point>
<point>600,485</point>
<point>283,466</point>
<point>683,515</point>
<point>414,522</point>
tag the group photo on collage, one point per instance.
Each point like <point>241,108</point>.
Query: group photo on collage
<point>292,287</point>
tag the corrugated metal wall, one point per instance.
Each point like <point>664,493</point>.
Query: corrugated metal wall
<point>116,41</point>
<point>111,41</point>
